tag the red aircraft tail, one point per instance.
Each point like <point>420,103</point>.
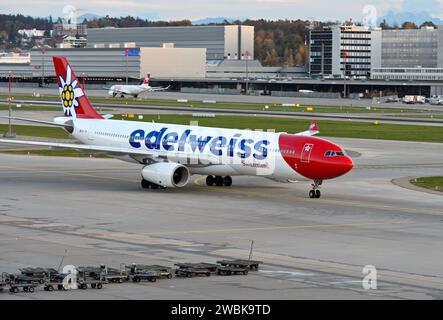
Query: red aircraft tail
<point>313,126</point>
<point>75,102</point>
<point>147,79</point>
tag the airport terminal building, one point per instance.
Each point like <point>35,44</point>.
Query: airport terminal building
<point>220,42</point>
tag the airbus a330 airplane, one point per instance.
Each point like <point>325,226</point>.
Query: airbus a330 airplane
<point>169,154</point>
<point>133,90</point>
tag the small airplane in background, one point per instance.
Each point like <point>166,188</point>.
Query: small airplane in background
<point>169,154</point>
<point>134,90</point>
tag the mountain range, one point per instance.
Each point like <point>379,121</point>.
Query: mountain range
<point>397,18</point>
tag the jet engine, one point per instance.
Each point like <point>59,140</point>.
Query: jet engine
<point>167,174</point>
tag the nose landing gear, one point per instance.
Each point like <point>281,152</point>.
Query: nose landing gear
<point>315,192</point>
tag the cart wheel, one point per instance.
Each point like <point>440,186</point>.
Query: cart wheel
<point>15,290</point>
<point>153,279</point>
<point>208,274</point>
<point>169,275</point>
<point>50,288</point>
<point>245,272</point>
<point>99,286</point>
<point>25,289</point>
<point>83,286</point>
<point>31,289</point>
<point>93,285</point>
<point>120,280</point>
<point>41,281</point>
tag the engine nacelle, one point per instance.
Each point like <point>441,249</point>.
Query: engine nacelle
<point>167,174</point>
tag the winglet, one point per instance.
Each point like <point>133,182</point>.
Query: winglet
<point>313,130</point>
<point>313,126</point>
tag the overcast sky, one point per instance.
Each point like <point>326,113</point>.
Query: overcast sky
<point>198,9</point>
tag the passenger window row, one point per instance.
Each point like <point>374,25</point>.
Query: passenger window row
<point>108,134</point>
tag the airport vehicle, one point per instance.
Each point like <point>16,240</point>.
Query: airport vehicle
<point>160,271</point>
<point>393,99</point>
<point>26,287</point>
<point>192,272</point>
<point>231,270</point>
<point>88,276</point>
<point>169,154</point>
<point>414,99</point>
<point>212,268</point>
<point>39,275</point>
<point>113,275</point>
<point>436,100</point>
<point>134,90</point>
<point>246,264</point>
<point>139,272</point>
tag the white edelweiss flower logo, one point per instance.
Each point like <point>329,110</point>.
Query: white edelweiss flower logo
<point>70,92</point>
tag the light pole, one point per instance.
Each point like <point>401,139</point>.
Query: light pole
<point>9,134</point>
<point>344,55</point>
<point>127,55</point>
<point>43,51</point>
<point>247,73</point>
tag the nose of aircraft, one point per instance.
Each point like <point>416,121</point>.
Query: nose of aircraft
<point>346,165</point>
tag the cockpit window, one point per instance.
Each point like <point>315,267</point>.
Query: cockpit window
<point>335,154</point>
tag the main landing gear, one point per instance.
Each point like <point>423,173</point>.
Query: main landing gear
<point>149,185</point>
<point>219,181</point>
<point>315,192</point>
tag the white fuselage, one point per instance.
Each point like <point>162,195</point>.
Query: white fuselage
<point>133,90</point>
<point>208,151</point>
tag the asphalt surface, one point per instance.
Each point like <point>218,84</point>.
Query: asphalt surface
<point>118,107</point>
<point>168,95</point>
<point>93,211</point>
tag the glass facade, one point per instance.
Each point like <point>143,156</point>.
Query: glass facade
<point>321,52</point>
<point>408,74</point>
<point>410,48</point>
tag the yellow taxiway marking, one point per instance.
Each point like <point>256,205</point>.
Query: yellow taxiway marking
<point>230,230</point>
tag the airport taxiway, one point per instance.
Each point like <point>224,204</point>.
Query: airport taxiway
<point>93,211</point>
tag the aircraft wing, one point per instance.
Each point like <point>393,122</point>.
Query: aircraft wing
<point>313,130</point>
<point>50,123</point>
<point>155,156</point>
<point>159,88</point>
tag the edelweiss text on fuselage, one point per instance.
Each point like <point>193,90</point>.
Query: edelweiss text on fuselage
<point>218,146</point>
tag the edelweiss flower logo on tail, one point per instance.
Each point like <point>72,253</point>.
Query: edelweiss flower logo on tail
<point>70,92</point>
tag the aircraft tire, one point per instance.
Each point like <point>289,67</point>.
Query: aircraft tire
<point>145,184</point>
<point>210,181</point>
<point>219,181</point>
<point>227,181</point>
